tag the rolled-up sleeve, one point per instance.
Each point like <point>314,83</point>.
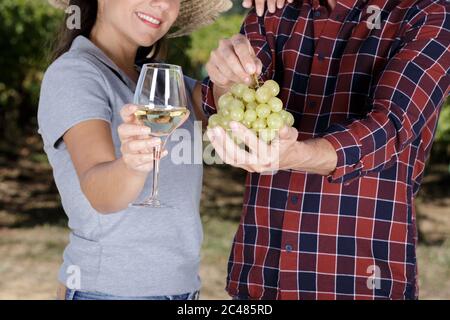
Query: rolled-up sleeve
<point>72,91</point>
<point>406,103</point>
<point>254,28</point>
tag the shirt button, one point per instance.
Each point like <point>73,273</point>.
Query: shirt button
<point>317,14</point>
<point>294,199</point>
<point>321,56</point>
<point>312,104</point>
<point>288,248</point>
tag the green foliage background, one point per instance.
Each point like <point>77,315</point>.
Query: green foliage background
<point>27,29</point>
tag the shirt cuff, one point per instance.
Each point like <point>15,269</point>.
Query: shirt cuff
<point>349,165</point>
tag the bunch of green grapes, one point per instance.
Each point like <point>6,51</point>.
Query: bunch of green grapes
<point>258,109</point>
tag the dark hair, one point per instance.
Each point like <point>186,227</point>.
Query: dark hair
<point>88,11</point>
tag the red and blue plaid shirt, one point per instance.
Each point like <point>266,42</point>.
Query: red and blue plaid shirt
<point>375,94</point>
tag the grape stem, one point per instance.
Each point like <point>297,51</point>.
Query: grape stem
<point>257,82</point>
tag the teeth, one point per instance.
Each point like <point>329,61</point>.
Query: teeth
<point>148,18</point>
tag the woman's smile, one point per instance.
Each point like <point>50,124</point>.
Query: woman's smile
<point>149,20</point>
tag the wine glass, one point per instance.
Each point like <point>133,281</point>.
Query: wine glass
<point>161,97</point>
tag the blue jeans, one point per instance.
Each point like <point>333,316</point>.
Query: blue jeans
<point>83,295</point>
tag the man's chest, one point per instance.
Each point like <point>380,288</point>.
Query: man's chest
<point>329,63</point>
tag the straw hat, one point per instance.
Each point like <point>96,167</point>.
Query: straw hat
<point>193,14</point>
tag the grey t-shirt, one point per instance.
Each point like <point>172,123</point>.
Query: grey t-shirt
<point>137,251</point>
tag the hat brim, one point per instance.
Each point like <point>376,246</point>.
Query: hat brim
<point>193,15</point>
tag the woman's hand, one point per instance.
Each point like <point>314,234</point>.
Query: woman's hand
<point>234,61</point>
<point>137,145</point>
<point>260,5</point>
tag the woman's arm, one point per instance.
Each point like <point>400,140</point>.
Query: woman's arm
<point>110,184</point>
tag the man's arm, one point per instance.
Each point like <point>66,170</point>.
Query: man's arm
<point>406,102</point>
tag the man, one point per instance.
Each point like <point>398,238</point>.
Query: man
<point>365,80</point>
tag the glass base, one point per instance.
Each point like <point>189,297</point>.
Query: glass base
<point>152,203</point>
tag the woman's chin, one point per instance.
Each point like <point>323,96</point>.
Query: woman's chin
<point>147,41</point>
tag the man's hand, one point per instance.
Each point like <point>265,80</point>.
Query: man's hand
<point>285,152</point>
<point>260,5</point>
<point>234,61</point>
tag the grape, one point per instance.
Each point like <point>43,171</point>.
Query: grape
<point>257,109</point>
<point>273,87</point>
<point>251,105</point>
<point>214,121</point>
<point>259,124</point>
<point>236,103</point>
<point>236,113</point>
<point>275,104</point>
<point>288,118</point>
<point>250,115</point>
<point>225,112</point>
<point>225,123</point>
<point>225,100</point>
<point>267,135</point>
<point>275,121</point>
<point>247,123</point>
<point>248,95</point>
<point>238,89</point>
<point>263,111</point>
<point>263,94</point>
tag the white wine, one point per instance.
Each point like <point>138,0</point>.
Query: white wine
<point>161,120</point>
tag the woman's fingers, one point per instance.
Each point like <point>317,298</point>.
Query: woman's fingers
<point>140,146</point>
<point>142,162</point>
<point>260,5</point>
<point>127,131</point>
<point>127,113</point>
<point>271,5</point>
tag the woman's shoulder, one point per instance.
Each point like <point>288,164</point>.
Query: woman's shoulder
<point>73,63</point>
<point>75,71</point>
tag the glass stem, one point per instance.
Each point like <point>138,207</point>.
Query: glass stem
<point>156,160</point>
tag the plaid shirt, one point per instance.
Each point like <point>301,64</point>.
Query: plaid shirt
<point>375,94</point>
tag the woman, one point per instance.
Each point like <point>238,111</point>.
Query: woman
<point>101,157</point>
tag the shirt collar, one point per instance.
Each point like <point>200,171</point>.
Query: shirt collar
<point>345,3</point>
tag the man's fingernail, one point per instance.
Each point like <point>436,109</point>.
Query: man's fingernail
<point>250,68</point>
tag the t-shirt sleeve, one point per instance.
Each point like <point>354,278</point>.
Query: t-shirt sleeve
<point>73,90</point>
<point>190,85</point>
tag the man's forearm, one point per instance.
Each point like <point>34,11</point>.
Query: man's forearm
<point>314,156</point>
<point>111,186</point>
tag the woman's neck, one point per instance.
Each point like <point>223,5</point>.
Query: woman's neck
<point>118,49</point>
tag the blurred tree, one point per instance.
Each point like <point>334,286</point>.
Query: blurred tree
<point>26,30</point>
<point>206,39</point>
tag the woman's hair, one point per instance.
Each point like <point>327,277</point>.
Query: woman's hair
<point>88,11</point>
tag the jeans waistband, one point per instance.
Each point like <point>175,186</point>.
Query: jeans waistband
<point>85,295</point>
